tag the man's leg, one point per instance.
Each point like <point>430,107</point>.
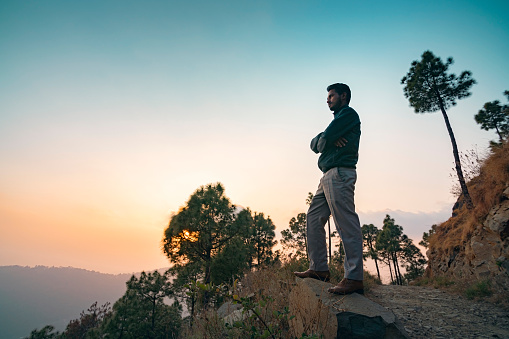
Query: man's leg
<point>317,216</point>
<point>339,186</point>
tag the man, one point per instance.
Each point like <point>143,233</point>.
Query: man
<point>339,146</point>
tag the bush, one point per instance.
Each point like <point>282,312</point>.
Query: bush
<point>480,289</point>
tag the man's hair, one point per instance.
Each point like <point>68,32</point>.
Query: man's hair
<point>340,89</point>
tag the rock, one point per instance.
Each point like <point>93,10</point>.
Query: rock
<point>481,254</point>
<point>319,312</point>
<point>227,308</point>
<point>498,219</point>
<point>237,315</point>
<point>231,312</point>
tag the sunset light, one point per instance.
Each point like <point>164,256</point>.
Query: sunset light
<point>190,236</point>
<point>113,113</point>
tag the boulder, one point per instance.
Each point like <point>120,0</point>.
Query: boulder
<point>237,315</point>
<point>329,315</point>
<point>228,308</point>
<point>231,312</point>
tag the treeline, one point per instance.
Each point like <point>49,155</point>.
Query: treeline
<point>394,249</point>
<point>388,247</point>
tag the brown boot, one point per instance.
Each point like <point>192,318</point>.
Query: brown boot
<point>347,286</point>
<point>319,275</point>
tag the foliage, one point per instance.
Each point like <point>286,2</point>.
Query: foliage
<point>388,245</point>
<point>338,257</point>
<point>265,306</point>
<point>413,259</point>
<point>429,88</point>
<point>395,248</point>
<point>201,229</point>
<point>479,290</point>
<point>369,235</point>
<point>211,242</point>
<point>141,312</point>
<point>47,332</point>
<point>426,235</point>
<point>495,116</point>
<point>256,310</point>
<point>262,239</point>
<point>209,232</point>
<point>230,263</point>
<point>88,322</point>
<point>180,286</point>
<point>294,238</point>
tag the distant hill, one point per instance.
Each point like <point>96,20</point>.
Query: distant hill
<point>32,297</point>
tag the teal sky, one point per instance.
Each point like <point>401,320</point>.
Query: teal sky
<point>113,112</point>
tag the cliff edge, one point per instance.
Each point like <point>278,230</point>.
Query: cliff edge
<point>473,245</point>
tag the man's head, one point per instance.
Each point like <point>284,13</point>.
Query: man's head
<point>338,96</point>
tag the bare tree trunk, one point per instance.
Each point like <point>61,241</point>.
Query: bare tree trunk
<point>193,301</point>
<point>341,250</point>
<point>395,269</point>
<point>207,280</point>
<point>306,242</point>
<point>457,161</point>
<point>397,272</point>
<point>330,242</point>
<point>153,315</point>
<point>498,132</point>
<point>377,270</point>
<point>374,256</point>
<point>390,268</point>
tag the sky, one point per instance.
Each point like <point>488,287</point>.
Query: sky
<point>112,113</point>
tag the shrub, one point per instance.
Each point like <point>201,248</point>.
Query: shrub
<point>480,289</point>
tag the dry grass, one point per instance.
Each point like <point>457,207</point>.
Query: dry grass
<point>486,191</point>
<point>268,291</point>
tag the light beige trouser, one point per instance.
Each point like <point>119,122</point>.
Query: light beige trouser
<point>335,193</point>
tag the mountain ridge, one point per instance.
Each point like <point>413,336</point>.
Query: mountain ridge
<point>33,297</point>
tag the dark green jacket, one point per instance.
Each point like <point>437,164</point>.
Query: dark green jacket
<point>346,124</point>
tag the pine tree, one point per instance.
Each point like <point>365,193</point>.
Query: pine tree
<point>430,88</point>
<point>495,116</point>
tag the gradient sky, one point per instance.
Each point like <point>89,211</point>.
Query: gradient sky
<point>112,113</point>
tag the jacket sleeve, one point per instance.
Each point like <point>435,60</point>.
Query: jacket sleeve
<point>314,143</point>
<point>338,128</point>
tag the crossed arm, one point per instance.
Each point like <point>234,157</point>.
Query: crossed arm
<point>318,143</point>
<point>335,133</point>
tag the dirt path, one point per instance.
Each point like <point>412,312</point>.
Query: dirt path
<point>431,313</point>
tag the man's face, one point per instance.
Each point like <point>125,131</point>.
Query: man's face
<point>335,100</point>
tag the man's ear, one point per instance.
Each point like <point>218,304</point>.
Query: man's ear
<point>342,96</point>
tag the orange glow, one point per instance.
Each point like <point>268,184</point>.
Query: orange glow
<point>190,236</point>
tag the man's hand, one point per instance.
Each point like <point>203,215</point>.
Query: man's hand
<point>340,142</point>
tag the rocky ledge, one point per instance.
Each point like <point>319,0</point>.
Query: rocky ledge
<point>317,311</point>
